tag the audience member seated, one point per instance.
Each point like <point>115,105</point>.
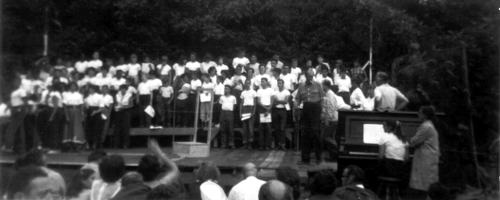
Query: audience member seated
<point>290,176</point>
<point>112,168</point>
<point>247,189</point>
<point>208,174</point>
<point>153,170</point>
<point>352,185</point>
<point>79,187</point>
<point>323,185</point>
<point>37,158</point>
<point>93,162</point>
<point>132,188</point>
<point>275,190</point>
<point>33,182</point>
<point>163,192</point>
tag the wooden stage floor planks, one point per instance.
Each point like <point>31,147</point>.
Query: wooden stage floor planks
<point>223,158</point>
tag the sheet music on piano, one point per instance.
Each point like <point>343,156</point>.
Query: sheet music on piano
<point>372,133</point>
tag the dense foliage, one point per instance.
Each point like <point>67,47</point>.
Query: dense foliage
<point>291,28</point>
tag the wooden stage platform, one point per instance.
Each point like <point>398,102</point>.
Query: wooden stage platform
<point>226,159</point>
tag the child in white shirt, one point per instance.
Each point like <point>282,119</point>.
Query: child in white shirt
<point>227,102</point>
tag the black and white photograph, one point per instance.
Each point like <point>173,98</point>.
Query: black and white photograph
<point>249,99</point>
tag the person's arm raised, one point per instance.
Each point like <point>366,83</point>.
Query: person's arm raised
<point>174,172</point>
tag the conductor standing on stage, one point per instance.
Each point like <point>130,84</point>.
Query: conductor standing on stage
<point>310,94</point>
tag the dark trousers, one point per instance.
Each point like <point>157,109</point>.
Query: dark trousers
<point>279,123</point>
<point>157,120</point>
<point>166,112</point>
<point>93,128</point>
<point>248,125</point>
<point>328,136</point>
<point>15,130</point>
<point>227,126</point>
<point>181,112</point>
<point>53,134</point>
<point>265,131</point>
<point>122,128</point>
<point>144,118</point>
<point>216,110</point>
<point>311,136</point>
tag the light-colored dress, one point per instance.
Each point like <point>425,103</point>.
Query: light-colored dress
<point>425,164</point>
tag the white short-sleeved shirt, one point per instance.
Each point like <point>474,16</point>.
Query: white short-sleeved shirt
<point>258,78</point>
<point>123,68</point>
<point>320,79</point>
<point>210,190</point>
<point>369,104</point>
<point>341,103</point>
<point>236,81</point>
<point>387,96</point>
<point>72,98</point>
<point>221,68</point>
<point>94,100</point>
<point>227,102</point>
<point>4,110</point>
<point>123,100</point>
<point>248,97</point>
<point>144,88</point>
<point>288,81</point>
<point>296,71</point>
<point>237,61</point>
<point>105,79</point>
<point>147,67</point>
<point>179,69</point>
<point>133,69</point>
<point>154,84</point>
<point>164,69</point>
<point>219,89</point>
<point>228,82</point>
<point>281,96</point>
<point>16,97</point>
<point>107,100</point>
<point>357,97</point>
<point>265,96</point>
<point>206,65</point>
<point>394,148</point>
<point>81,66</point>
<point>193,65</point>
<point>97,64</point>
<point>166,91</point>
<point>344,84</point>
<point>116,83</point>
<point>255,67</point>
<point>208,94</point>
<point>247,189</point>
<point>195,83</point>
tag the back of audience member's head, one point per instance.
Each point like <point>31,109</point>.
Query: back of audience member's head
<point>32,158</point>
<point>323,182</point>
<point>353,174</point>
<point>207,171</point>
<point>250,169</point>
<point>289,176</point>
<point>80,181</point>
<point>112,168</point>
<point>275,190</point>
<point>382,77</point>
<point>32,182</point>
<point>163,191</point>
<point>149,167</point>
<point>437,191</point>
<point>131,178</point>
<point>96,156</point>
<point>327,85</point>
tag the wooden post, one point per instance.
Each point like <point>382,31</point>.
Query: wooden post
<point>46,31</point>
<point>470,107</point>
<point>371,50</point>
<point>209,134</point>
<point>196,116</point>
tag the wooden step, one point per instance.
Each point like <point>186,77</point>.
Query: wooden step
<point>181,131</point>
